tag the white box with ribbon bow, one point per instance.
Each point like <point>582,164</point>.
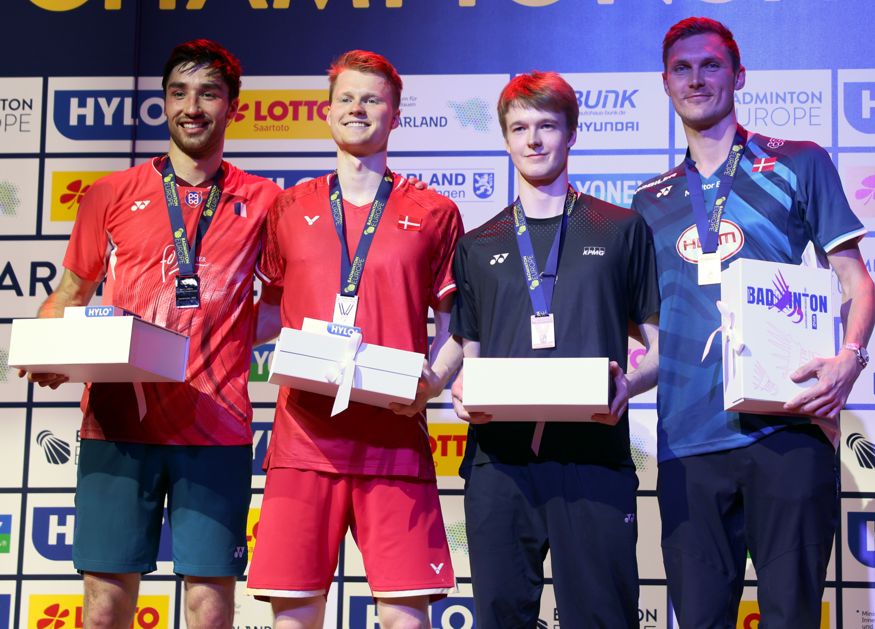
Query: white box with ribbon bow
<point>99,344</point>
<point>774,318</point>
<point>331,359</point>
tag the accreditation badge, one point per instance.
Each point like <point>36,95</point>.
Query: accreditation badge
<point>543,333</point>
<point>344,309</point>
<point>188,294</point>
<point>709,268</point>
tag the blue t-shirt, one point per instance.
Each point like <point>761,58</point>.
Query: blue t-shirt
<point>785,194</point>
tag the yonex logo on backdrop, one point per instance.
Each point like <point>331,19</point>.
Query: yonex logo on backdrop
<point>616,188</point>
<point>499,258</point>
<point>863,449</point>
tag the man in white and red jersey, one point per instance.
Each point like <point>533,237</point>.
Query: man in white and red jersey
<point>189,442</point>
<point>363,247</point>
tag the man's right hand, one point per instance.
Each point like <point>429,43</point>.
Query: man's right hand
<point>51,380</point>
<point>461,412</point>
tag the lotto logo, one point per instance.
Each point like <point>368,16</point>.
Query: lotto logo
<point>63,611</point>
<point>749,615</point>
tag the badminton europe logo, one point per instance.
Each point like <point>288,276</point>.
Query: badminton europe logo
<point>863,449</point>
<point>57,450</point>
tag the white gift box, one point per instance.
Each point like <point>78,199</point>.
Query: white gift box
<point>99,344</point>
<point>775,318</point>
<point>313,359</point>
<point>537,389</point>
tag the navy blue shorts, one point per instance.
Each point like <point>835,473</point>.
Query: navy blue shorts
<point>778,499</point>
<point>584,514</point>
<point>120,498</point>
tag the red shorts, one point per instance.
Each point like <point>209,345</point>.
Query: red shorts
<point>396,523</point>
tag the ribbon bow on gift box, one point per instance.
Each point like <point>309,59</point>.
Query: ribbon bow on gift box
<point>732,342</point>
<point>343,374</point>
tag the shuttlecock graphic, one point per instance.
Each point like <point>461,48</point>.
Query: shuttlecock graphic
<point>863,449</point>
<point>57,450</point>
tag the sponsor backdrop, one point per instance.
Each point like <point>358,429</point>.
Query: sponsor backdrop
<point>80,97</point>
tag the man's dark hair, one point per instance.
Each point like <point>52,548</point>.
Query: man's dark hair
<point>205,52</point>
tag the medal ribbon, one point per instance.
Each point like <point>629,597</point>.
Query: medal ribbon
<point>184,257</point>
<point>708,224</point>
<point>351,270</point>
<point>541,284</point>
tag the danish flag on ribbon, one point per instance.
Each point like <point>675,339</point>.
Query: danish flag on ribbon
<point>409,221</point>
<point>764,164</point>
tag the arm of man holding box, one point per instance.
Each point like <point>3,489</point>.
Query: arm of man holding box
<point>470,349</point>
<point>629,385</point>
<point>836,375</point>
<point>71,291</point>
<point>446,356</point>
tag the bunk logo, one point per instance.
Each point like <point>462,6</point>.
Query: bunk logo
<point>110,114</point>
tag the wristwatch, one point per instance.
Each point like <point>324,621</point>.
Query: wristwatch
<point>862,354</point>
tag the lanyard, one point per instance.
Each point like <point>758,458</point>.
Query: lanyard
<point>351,271</point>
<point>177,224</point>
<point>541,284</point>
<point>709,224</point>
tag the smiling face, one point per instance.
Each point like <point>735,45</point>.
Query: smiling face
<point>362,113</point>
<point>701,82</point>
<point>198,110</point>
<point>538,142</point>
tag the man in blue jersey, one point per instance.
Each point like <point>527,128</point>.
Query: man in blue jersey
<point>736,482</point>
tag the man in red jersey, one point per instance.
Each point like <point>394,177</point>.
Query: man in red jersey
<point>189,442</point>
<point>367,468</point>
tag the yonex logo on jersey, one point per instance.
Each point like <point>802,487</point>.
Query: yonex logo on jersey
<point>139,205</point>
<point>239,552</point>
<point>437,568</point>
<point>593,251</point>
<point>498,258</point>
<point>310,220</point>
<point>630,518</point>
<point>663,191</point>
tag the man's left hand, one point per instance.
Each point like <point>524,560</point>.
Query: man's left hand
<point>621,396</point>
<point>835,379</point>
<point>429,386</point>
